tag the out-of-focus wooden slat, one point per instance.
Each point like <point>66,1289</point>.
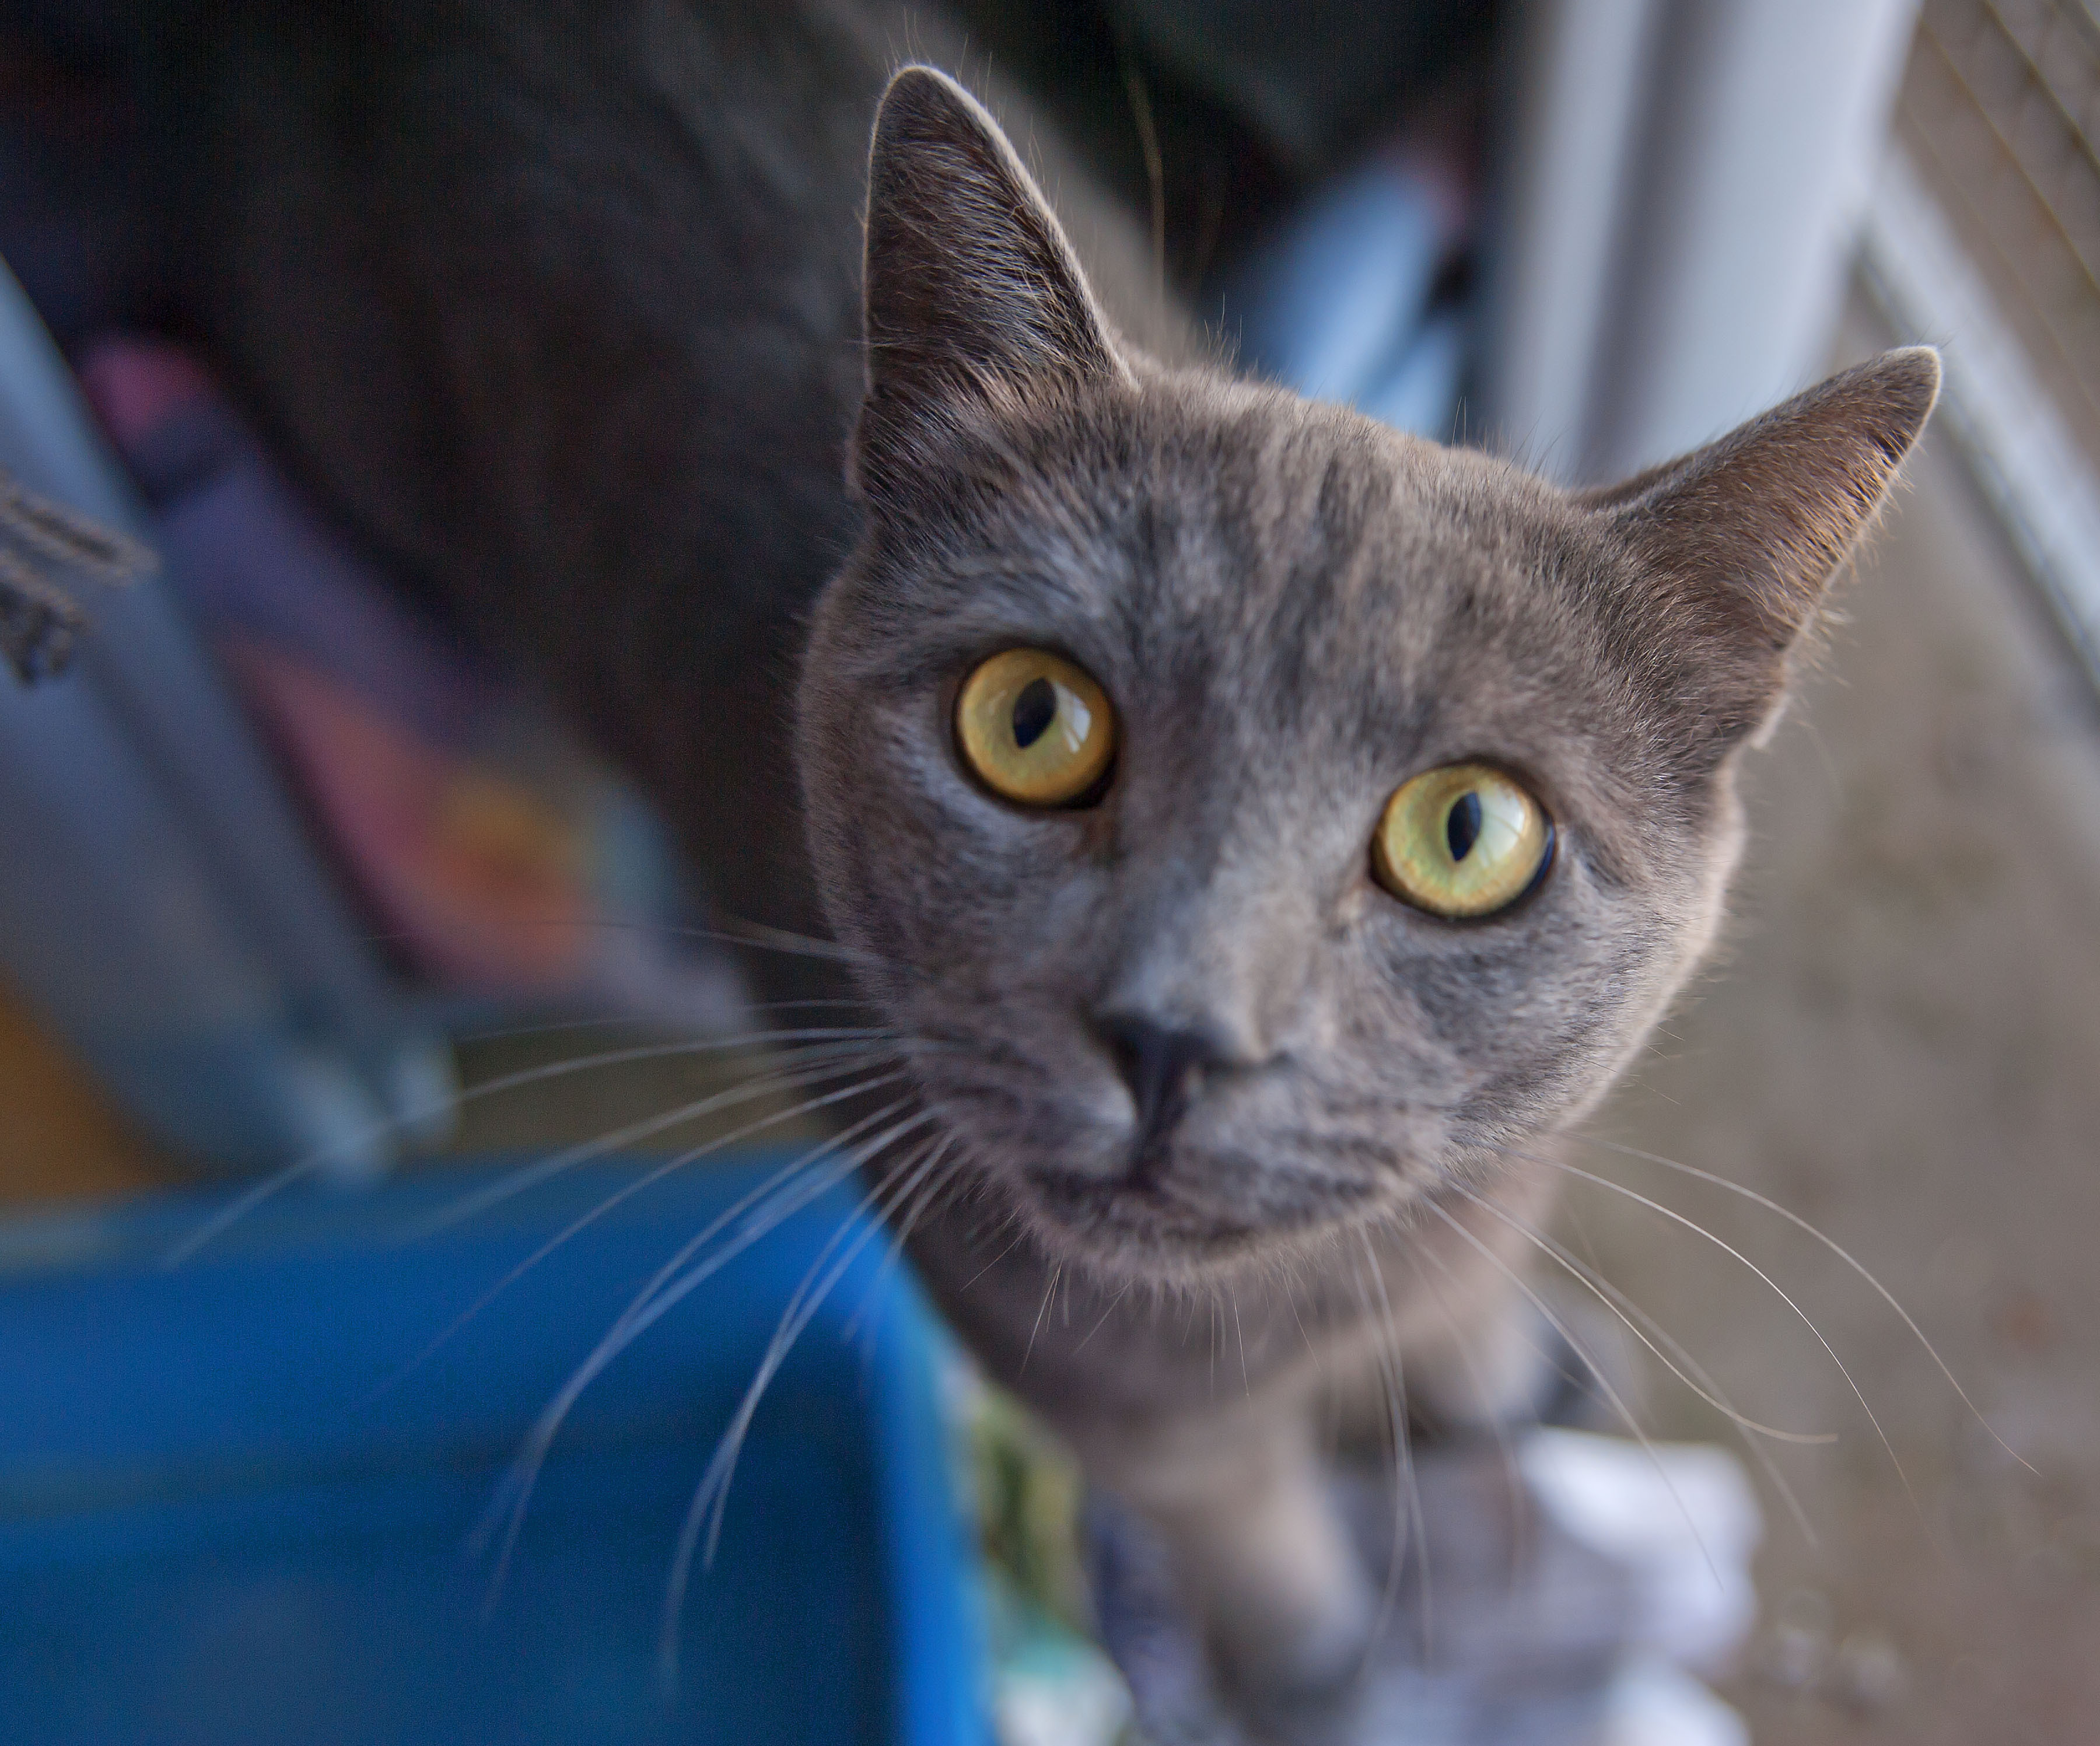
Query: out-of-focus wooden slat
<point>2001,112</point>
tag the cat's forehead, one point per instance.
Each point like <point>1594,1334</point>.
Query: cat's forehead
<point>1235,529</point>
<point>1317,512</point>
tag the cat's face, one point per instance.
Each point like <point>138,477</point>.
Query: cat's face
<point>1187,1014</point>
<point>1290,612</point>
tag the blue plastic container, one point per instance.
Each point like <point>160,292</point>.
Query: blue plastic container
<point>211,1530</point>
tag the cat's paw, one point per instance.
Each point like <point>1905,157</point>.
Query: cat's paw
<point>1273,1676</point>
<point>1286,1662</point>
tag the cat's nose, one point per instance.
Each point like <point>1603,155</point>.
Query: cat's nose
<point>1164,1066</point>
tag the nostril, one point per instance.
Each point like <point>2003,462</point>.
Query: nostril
<point>1162,1065</point>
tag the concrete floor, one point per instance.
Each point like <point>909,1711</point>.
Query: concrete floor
<point>1903,1044</point>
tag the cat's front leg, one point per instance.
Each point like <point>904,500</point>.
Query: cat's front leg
<point>1265,1565</point>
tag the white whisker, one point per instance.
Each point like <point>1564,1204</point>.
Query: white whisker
<point>766,938</point>
<point>1011,1247</point>
<point>1239,1334</point>
<point>1410,1531</point>
<point>647,1180</point>
<point>1620,1305</point>
<point>1634,1316</point>
<point>1730,1250</point>
<point>1122,1292</point>
<point>1051,1291</point>
<point>936,1179</point>
<point>1595,1370</point>
<point>1520,1498</point>
<point>530,1175</point>
<point>634,1021</point>
<point>1837,1249</point>
<point>756,935</point>
<point>246,1202</point>
<point>781,1196</point>
<point>710,1499</point>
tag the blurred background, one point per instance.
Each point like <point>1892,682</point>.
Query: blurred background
<point>285,862</point>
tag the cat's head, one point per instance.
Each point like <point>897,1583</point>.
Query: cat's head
<point>1257,813</point>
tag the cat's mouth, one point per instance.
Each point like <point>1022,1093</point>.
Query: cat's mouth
<point>1169,1210</point>
<point>1140,1211</point>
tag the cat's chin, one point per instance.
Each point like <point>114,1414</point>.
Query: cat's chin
<point>1136,1228</point>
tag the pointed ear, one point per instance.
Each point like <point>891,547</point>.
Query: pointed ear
<point>970,287</point>
<point>1741,539</point>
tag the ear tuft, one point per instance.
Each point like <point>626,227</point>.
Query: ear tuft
<point>971,285</point>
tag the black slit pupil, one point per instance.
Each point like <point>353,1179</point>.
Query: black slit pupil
<point>1461,825</point>
<point>1034,711</point>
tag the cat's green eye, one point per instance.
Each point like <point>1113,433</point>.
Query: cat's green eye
<point>1464,841</point>
<point>1034,728</point>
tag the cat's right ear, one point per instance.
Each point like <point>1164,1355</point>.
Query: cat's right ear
<point>972,289</point>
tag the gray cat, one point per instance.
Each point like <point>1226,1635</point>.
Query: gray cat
<point>1267,831</point>
<point>1388,800</point>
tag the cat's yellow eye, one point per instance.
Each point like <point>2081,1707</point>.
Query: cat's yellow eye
<point>1464,841</point>
<point>1034,728</point>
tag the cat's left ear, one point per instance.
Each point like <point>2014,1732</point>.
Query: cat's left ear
<point>1739,540</point>
<point>972,289</point>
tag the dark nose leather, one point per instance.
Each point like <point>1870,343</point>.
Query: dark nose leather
<point>1164,1068</point>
